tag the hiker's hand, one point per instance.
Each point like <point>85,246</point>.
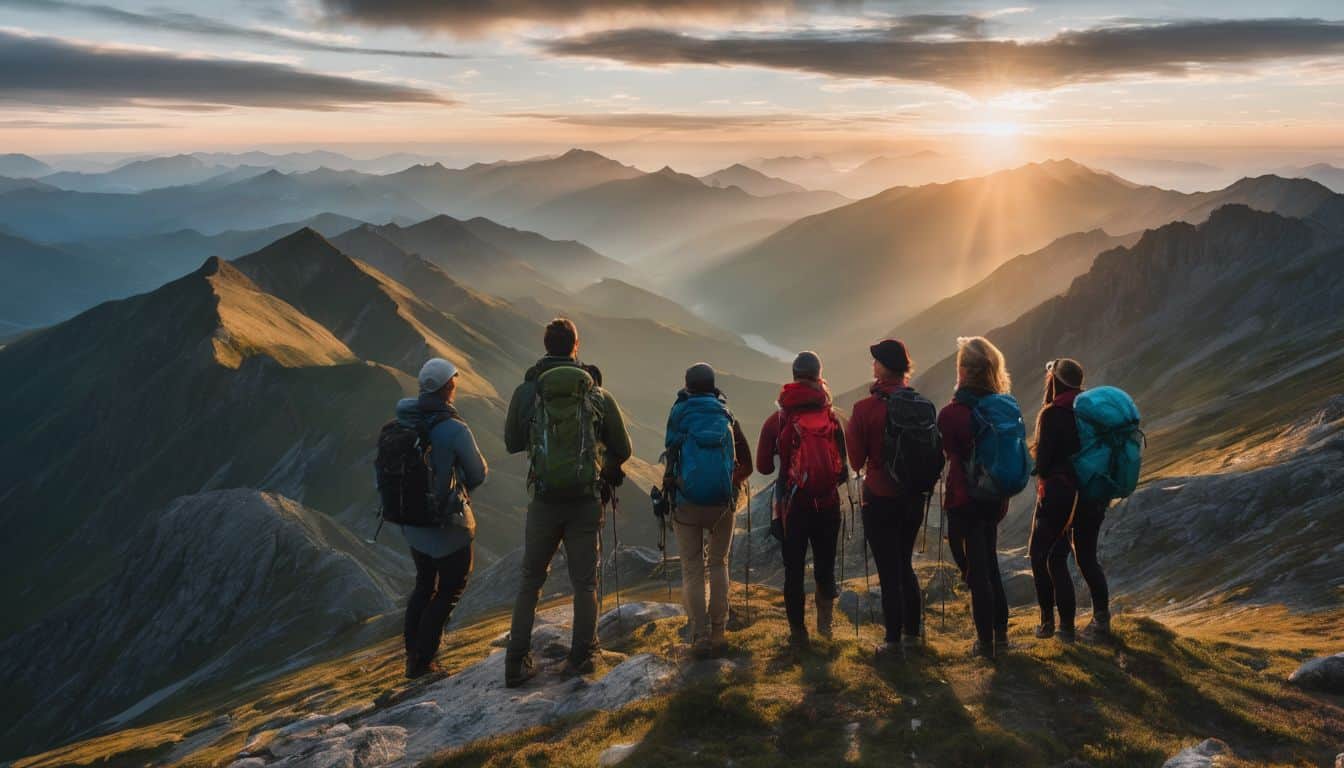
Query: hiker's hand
<point>777,529</point>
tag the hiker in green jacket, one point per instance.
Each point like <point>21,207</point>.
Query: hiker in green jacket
<point>574,435</point>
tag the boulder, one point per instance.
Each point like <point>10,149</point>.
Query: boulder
<point>1323,674</point>
<point>616,624</point>
<point>1208,753</point>
<point>616,754</point>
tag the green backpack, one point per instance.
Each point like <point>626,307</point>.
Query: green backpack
<point>563,437</point>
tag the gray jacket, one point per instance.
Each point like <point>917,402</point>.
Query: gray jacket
<point>453,451</point>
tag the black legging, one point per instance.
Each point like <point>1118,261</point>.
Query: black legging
<point>975,528</point>
<point>1086,530</point>
<point>439,583</point>
<point>1049,550</point>
<point>891,526</point>
<point>818,527</point>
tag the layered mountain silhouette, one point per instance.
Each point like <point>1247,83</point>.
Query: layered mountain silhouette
<point>16,165</point>
<point>750,180</point>
<point>885,258</point>
<point>139,175</point>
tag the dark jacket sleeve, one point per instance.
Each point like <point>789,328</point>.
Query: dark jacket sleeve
<point>520,414</point>
<point>1056,443</point>
<point>614,436</point>
<point>767,445</point>
<point>742,454</point>
<point>955,427</point>
<point>840,447</point>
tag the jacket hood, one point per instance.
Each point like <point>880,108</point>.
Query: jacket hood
<point>969,395</point>
<point>547,363</point>
<point>885,387</point>
<point>798,394</point>
<point>686,394</point>
<point>411,411</point>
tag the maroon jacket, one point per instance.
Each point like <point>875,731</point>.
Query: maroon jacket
<point>958,432</point>
<point>864,434</point>
<point>796,396</point>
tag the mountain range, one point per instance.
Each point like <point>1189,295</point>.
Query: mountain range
<point>884,259</point>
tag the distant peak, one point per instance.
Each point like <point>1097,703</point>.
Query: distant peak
<point>211,267</point>
<point>582,154</point>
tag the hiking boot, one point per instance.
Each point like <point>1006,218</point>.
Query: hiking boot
<point>1099,629</point>
<point>423,670</point>
<point>798,639</point>
<point>1001,641</point>
<point>701,648</point>
<point>1067,636</point>
<point>718,640</point>
<point>982,650</point>
<point>519,670</point>
<point>1044,631</point>
<point>889,651</point>
<point>825,616</point>
<point>579,667</point>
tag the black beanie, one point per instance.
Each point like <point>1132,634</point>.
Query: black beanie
<point>700,378</point>
<point>807,366</point>
<point>892,355</point>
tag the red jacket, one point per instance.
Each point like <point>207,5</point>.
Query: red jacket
<point>958,432</point>
<point>864,434</point>
<point>796,396</point>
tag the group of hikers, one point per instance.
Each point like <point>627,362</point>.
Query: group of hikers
<point>1085,452</point>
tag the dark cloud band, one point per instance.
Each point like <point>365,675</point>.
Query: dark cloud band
<point>469,16</point>
<point>979,65</point>
<point>190,23</point>
<point>665,121</point>
<point>51,71</point>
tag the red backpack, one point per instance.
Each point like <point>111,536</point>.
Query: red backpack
<point>814,460</point>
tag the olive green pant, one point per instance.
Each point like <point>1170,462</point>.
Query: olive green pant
<point>578,525</point>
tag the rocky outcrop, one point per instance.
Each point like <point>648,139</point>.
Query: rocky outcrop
<point>472,704</point>
<point>1210,752</point>
<point>1258,530</point>
<point>1324,674</point>
<point>223,586</point>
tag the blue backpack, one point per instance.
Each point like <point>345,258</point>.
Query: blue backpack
<point>1000,464</point>
<point>1108,463</point>
<point>702,439</point>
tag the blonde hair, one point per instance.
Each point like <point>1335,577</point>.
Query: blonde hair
<point>981,364</point>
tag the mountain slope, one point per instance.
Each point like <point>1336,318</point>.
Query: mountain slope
<point>40,285</point>
<point>21,166</point>
<point>139,175</point>
<point>894,254</point>
<point>630,218</point>
<point>206,382</point>
<point>749,180</point>
<point>618,299</point>
<point>568,263</point>
<point>1015,287</point>
<point>218,588</point>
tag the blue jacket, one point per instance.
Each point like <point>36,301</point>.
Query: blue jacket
<point>454,450</point>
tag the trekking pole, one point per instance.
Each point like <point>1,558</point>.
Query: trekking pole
<point>663,525</point>
<point>867,596</point>
<point>746,568</point>
<point>942,527</point>
<point>376,531</point>
<point>615,553</point>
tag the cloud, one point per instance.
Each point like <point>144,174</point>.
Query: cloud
<point>190,23</point>
<point>670,121</point>
<point>467,17</point>
<point>77,125</point>
<point>53,71</point>
<point>972,63</point>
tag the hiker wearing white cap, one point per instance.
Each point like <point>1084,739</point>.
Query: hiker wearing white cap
<point>441,550</point>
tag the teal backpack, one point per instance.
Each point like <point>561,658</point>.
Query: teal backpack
<point>1000,465</point>
<point>703,443</point>
<point>1108,463</point>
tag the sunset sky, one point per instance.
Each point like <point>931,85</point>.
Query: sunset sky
<point>685,78</point>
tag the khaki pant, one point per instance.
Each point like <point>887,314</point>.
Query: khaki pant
<point>692,523</point>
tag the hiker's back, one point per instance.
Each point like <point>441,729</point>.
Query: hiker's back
<point>1000,464</point>
<point>814,465</point>
<point>1111,444</point>
<point>702,442</point>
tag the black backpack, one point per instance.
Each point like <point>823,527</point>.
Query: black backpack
<point>404,475</point>
<point>912,448</point>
